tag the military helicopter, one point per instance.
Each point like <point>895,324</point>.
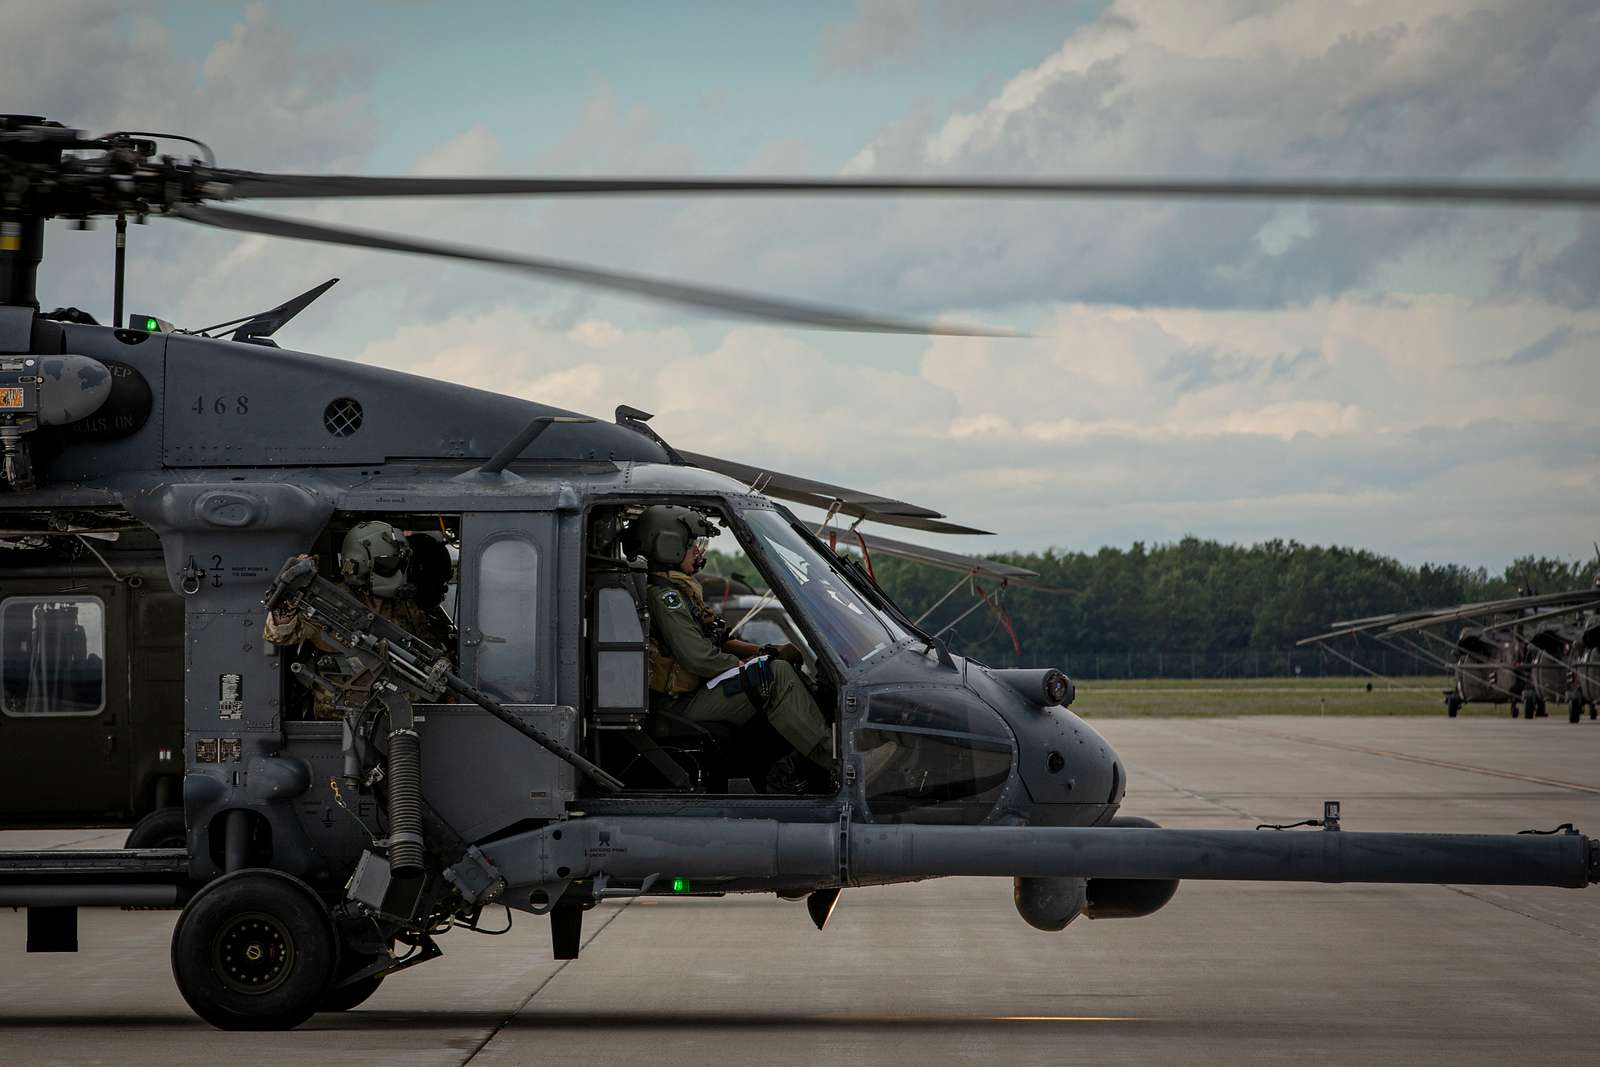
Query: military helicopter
<point>1523,651</point>
<point>322,857</point>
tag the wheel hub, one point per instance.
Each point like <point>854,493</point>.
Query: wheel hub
<point>253,953</point>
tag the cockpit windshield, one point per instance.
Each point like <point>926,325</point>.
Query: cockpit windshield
<point>849,624</point>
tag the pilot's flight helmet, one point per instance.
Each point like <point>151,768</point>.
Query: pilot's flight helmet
<point>664,532</point>
<point>374,557</point>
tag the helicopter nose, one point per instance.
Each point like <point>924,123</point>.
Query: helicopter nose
<point>1065,761</point>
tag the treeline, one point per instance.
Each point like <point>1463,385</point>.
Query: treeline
<point>1193,596</point>
<point>1202,596</point>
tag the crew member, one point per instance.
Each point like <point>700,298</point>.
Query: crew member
<point>689,646</point>
<point>388,573</point>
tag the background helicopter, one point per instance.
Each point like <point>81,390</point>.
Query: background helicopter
<point>314,849</point>
<point>1525,652</point>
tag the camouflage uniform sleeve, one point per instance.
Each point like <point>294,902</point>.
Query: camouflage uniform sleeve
<point>291,630</point>
<point>689,647</point>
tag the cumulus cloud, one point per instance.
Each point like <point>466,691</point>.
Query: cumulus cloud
<point>878,30</point>
<point>1297,88</point>
<point>1202,368</point>
<point>1223,370</point>
<point>1545,347</point>
<point>1080,430</point>
<point>260,95</point>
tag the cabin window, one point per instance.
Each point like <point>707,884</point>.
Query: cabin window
<point>508,583</point>
<point>53,652</point>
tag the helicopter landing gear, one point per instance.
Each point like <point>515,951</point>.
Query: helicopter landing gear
<point>1533,708</point>
<point>1575,709</point>
<point>1452,705</point>
<point>162,828</point>
<point>254,950</point>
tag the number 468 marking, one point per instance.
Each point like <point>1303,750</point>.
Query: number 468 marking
<point>221,405</point>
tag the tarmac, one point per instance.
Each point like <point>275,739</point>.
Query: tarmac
<point>945,971</point>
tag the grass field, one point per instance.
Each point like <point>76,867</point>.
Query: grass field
<point>1199,698</point>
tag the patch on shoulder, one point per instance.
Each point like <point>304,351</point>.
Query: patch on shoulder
<point>671,599</point>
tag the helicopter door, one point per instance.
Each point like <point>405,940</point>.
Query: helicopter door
<point>508,589</point>
<point>63,701</point>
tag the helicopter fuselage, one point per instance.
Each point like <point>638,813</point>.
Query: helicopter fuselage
<point>236,469</point>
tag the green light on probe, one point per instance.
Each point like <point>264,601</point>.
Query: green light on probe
<point>152,326</point>
<point>680,885</point>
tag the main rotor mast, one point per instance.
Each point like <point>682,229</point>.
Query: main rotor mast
<point>21,225</point>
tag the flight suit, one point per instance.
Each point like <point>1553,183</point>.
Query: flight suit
<point>684,655</point>
<point>429,624</point>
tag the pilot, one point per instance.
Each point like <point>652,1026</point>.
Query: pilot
<point>689,646</point>
<point>401,579</point>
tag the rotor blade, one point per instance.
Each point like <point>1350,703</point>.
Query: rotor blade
<point>1349,627</point>
<point>869,507</point>
<point>1539,618</point>
<point>936,557</point>
<point>727,301</point>
<point>254,184</point>
<point>992,569</point>
<point>1500,607</point>
<point>1397,621</point>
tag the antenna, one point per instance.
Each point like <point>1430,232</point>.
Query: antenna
<point>121,263</point>
<point>268,323</point>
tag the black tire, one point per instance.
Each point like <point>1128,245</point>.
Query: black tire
<point>254,950</point>
<point>1452,705</point>
<point>343,998</point>
<point>162,828</point>
<point>1515,713</point>
<point>1574,710</point>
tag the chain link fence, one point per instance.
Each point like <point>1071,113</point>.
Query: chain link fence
<point>1287,663</point>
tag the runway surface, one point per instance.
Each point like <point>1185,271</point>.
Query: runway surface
<point>945,971</point>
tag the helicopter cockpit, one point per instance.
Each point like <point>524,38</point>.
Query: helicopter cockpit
<point>931,738</point>
<point>649,738</point>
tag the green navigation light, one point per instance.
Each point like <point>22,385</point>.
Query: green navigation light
<point>680,885</point>
<point>152,325</point>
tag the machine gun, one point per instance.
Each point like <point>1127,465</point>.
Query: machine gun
<point>397,668</point>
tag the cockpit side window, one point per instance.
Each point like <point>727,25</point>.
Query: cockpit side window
<point>849,625</point>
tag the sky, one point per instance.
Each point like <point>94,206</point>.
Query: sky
<point>1419,381</point>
